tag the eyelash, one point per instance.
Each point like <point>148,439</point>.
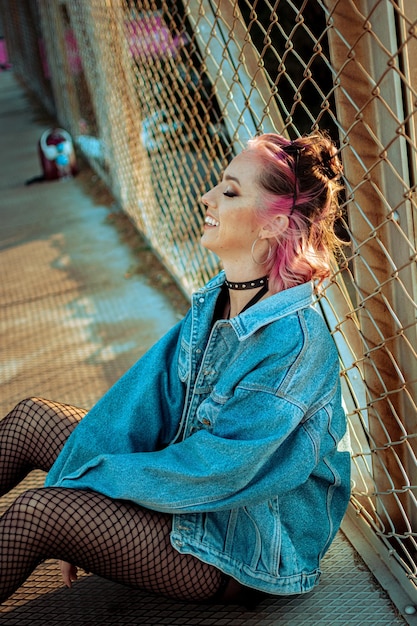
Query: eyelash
<point>230,194</point>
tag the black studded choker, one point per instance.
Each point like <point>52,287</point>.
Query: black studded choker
<point>250,284</point>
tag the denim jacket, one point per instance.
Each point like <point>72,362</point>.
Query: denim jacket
<point>237,430</point>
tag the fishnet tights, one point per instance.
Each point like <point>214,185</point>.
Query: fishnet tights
<point>115,539</point>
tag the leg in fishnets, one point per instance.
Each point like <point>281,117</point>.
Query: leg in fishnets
<point>114,539</point>
<point>31,437</point>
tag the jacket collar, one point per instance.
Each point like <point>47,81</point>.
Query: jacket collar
<point>269,310</point>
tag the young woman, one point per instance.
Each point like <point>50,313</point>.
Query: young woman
<point>214,470</point>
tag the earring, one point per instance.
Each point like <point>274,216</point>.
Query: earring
<point>252,252</point>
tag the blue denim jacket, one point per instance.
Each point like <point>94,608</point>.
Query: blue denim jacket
<point>236,429</point>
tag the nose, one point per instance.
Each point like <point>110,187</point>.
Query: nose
<point>207,198</point>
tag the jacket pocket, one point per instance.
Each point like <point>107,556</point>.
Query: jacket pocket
<point>249,537</point>
<point>258,528</point>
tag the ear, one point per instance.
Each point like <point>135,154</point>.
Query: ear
<point>275,228</point>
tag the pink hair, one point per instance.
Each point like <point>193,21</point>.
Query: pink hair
<point>305,251</point>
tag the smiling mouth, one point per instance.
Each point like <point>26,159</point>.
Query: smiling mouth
<point>210,221</point>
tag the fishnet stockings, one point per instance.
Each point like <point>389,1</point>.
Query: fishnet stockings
<point>32,436</point>
<point>114,539</point>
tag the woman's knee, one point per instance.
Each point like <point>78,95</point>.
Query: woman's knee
<point>29,524</point>
<point>35,431</point>
<point>41,415</point>
<point>28,416</point>
<point>28,510</point>
<point>27,409</point>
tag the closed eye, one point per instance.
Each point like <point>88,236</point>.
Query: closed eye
<point>229,193</point>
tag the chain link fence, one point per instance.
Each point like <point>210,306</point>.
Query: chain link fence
<point>159,95</point>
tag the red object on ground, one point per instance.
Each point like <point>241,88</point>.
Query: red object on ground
<point>56,153</point>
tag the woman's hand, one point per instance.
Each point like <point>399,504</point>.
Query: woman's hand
<point>68,573</point>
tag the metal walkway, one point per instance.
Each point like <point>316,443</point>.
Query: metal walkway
<point>73,318</point>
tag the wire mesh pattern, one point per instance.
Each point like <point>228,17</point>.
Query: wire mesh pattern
<point>159,95</point>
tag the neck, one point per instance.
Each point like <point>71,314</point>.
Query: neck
<point>242,273</point>
<point>241,268</point>
<point>241,299</point>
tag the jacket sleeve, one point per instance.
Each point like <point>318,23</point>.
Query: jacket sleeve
<point>130,417</point>
<point>212,470</point>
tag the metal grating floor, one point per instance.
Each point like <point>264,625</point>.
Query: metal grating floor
<point>347,596</point>
<point>70,324</point>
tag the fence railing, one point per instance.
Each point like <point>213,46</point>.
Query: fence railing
<point>160,94</point>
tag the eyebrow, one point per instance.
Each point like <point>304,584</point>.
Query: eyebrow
<point>228,177</point>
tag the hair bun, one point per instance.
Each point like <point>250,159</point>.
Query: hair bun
<point>330,164</point>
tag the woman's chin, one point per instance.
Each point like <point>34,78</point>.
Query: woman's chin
<point>206,243</point>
